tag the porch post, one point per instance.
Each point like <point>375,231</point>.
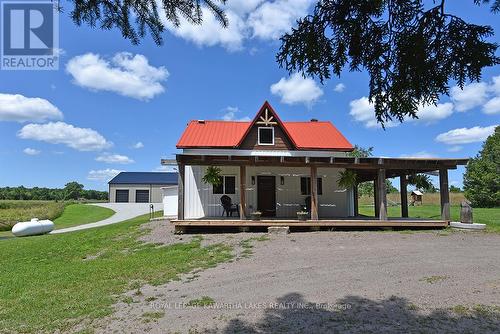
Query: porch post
<point>375,199</point>
<point>180,192</point>
<point>403,185</point>
<point>314,193</point>
<point>445,194</point>
<point>243,177</point>
<point>356,202</point>
<point>381,194</point>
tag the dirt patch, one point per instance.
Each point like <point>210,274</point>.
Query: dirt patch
<point>327,281</point>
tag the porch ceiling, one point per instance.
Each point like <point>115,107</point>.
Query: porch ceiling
<point>366,168</point>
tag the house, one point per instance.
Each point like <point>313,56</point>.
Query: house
<point>144,187</point>
<point>416,197</point>
<point>278,167</point>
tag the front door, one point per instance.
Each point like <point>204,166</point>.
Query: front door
<point>266,195</point>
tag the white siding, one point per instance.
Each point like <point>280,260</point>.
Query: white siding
<point>201,202</point>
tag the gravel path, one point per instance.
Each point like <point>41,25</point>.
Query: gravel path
<point>328,281</point>
<point>123,211</point>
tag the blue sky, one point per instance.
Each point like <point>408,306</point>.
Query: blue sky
<point>59,126</point>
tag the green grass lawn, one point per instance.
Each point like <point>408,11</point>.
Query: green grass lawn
<point>78,214</point>
<point>53,282</point>
<point>488,216</point>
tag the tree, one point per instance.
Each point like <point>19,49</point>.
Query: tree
<point>410,52</point>
<point>454,189</point>
<point>135,18</point>
<point>482,174</point>
<point>423,182</point>
<point>73,190</point>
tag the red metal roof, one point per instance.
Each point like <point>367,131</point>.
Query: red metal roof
<point>230,134</point>
<point>317,135</point>
<point>212,134</point>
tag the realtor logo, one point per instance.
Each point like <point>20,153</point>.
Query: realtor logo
<point>29,35</point>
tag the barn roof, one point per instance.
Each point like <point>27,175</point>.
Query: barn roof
<point>312,135</point>
<point>145,178</point>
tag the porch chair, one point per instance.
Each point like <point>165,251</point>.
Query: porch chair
<point>228,207</point>
<point>307,206</point>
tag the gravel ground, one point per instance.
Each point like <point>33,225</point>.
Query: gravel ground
<point>321,282</point>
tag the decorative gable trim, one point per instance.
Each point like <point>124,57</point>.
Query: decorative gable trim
<point>266,116</point>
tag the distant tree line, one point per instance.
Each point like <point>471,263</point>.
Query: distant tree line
<point>71,191</point>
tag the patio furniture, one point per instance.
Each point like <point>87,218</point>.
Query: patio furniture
<point>228,207</point>
<point>307,204</point>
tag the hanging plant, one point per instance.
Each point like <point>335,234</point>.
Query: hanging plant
<point>347,179</point>
<point>212,176</point>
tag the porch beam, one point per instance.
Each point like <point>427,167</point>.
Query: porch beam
<point>403,186</point>
<point>445,194</point>
<point>243,177</point>
<point>180,192</point>
<point>314,193</point>
<point>381,195</point>
<point>355,200</point>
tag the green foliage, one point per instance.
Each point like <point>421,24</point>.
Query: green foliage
<point>422,181</point>
<point>73,190</point>
<point>51,283</point>
<point>411,50</point>
<point>212,176</point>
<point>12,212</point>
<point>389,187</point>
<point>47,194</point>
<point>365,189</point>
<point>135,18</point>
<point>361,152</point>
<point>454,189</point>
<point>482,174</point>
<point>347,179</point>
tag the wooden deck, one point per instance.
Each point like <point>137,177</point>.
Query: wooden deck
<point>182,225</point>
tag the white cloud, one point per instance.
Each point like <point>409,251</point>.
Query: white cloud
<point>272,19</point>
<point>433,113</point>
<point>251,19</point>
<point>103,174</point>
<point>466,135</point>
<point>82,139</point>
<point>421,154</point>
<point>138,145</point>
<point>125,74</point>
<point>363,111</point>
<point>18,108</point>
<point>230,114</point>
<point>492,106</point>
<point>473,95</point>
<point>339,88</point>
<point>166,169</point>
<point>297,89</point>
<point>455,148</point>
<point>31,151</point>
<point>495,86</point>
<point>114,159</point>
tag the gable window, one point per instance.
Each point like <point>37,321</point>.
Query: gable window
<point>266,136</point>
<point>305,186</point>
<point>226,186</point>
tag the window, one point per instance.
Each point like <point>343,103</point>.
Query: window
<point>266,136</point>
<point>142,196</point>
<point>226,186</point>
<point>305,186</point>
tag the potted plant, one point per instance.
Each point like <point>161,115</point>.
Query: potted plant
<point>256,215</point>
<point>212,176</point>
<point>302,215</point>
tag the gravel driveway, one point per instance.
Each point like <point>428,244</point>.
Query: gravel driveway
<point>328,281</point>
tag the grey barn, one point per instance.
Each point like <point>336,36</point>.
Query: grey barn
<point>140,187</point>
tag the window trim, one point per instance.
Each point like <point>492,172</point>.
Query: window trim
<point>223,185</point>
<point>258,135</point>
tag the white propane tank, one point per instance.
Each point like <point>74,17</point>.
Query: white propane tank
<point>33,227</point>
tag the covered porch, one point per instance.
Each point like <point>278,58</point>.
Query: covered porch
<point>367,169</point>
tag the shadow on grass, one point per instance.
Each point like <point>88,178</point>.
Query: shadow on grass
<point>355,314</point>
